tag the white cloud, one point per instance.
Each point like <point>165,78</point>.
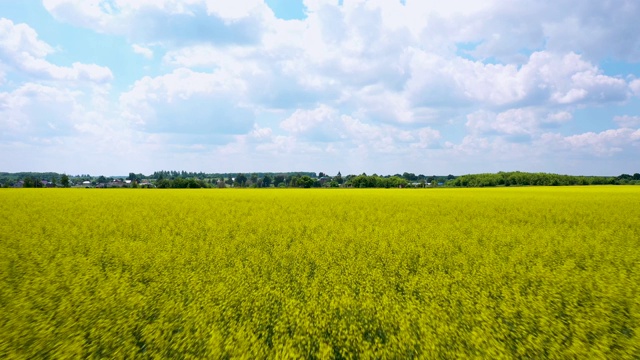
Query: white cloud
<point>512,122</point>
<point>627,121</point>
<point>587,83</point>
<point>19,38</point>
<point>21,50</point>
<point>302,121</point>
<point>484,78</point>
<point>37,111</point>
<point>426,138</point>
<point>93,14</point>
<point>234,10</point>
<point>379,104</point>
<point>500,133</point>
<point>394,82</point>
<point>185,101</point>
<point>605,143</point>
<point>607,152</point>
<point>594,28</point>
<point>141,50</point>
<point>558,118</point>
<point>545,79</point>
<point>167,21</point>
<point>635,87</point>
<point>233,59</point>
<point>515,125</point>
<point>260,133</point>
<point>325,124</point>
<point>359,45</point>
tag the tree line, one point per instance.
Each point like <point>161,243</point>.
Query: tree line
<point>185,180</point>
<point>518,178</point>
<point>301,180</point>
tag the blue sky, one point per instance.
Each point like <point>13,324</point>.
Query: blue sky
<point>376,86</point>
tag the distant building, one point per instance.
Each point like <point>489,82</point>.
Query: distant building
<point>116,183</point>
<point>146,184</point>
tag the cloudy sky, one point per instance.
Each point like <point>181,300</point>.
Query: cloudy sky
<point>380,86</point>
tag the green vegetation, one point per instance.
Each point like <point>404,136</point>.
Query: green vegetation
<point>192,180</point>
<point>364,181</point>
<point>549,272</point>
<point>539,179</point>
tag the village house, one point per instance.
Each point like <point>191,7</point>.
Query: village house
<point>117,183</point>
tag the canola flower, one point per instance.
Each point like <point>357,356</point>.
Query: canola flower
<point>323,273</point>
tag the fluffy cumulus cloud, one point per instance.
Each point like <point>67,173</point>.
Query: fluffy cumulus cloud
<point>604,143</point>
<point>37,111</point>
<point>546,78</point>
<point>41,102</point>
<point>325,124</point>
<point>373,85</point>
<point>22,51</point>
<point>521,123</point>
<point>189,102</point>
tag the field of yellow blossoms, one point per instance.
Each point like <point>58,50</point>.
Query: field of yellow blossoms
<point>549,272</point>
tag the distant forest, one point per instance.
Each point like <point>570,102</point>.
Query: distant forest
<point>184,179</point>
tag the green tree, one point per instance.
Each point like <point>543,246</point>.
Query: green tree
<point>305,182</point>
<point>64,180</point>
<point>409,176</point>
<point>163,183</point>
<point>28,182</point>
<point>277,180</point>
<point>338,178</point>
<point>292,181</point>
<point>241,179</point>
<point>266,181</point>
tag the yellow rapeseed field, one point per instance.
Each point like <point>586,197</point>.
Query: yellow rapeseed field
<point>324,273</point>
